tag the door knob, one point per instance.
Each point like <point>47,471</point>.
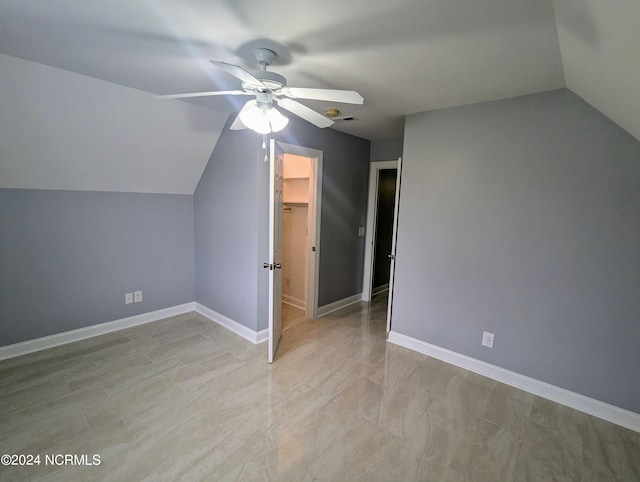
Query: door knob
<point>266,265</point>
<point>392,256</point>
<point>278,266</point>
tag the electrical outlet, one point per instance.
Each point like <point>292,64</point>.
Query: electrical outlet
<point>361,231</point>
<point>128,298</point>
<point>137,296</point>
<point>487,339</point>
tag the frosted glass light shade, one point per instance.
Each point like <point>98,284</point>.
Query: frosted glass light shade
<point>263,119</point>
<point>277,120</point>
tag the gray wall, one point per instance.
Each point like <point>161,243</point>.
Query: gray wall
<point>386,149</point>
<point>345,178</point>
<point>68,257</point>
<point>231,220</point>
<point>522,217</point>
<point>226,228</point>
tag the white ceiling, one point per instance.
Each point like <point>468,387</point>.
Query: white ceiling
<point>403,56</point>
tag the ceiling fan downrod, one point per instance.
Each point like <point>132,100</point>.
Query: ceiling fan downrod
<point>265,57</point>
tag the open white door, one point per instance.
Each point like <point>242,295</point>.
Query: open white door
<point>392,255</point>
<point>275,247</point>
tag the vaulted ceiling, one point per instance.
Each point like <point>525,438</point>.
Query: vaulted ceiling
<point>403,56</point>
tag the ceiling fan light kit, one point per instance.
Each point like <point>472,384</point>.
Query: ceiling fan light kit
<point>259,114</point>
<point>262,118</point>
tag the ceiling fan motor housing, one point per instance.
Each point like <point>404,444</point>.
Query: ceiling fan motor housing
<point>271,80</point>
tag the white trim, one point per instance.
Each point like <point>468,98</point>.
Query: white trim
<point>313,238</point>
<point>293,301</point>
<point>605,411</point>
<point>254,337</point>
<point>337,305</point>
<point>262,336</point>
<point>71,336</point>
<point>394,243</point>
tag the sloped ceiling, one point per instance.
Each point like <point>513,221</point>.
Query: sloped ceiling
<point>600,44</point>
<point>404,56</point>
<point>61,130</point>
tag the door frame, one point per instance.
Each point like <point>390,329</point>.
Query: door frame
<point>313,235</point>
<point>394,245</point>
<point>372,218</point>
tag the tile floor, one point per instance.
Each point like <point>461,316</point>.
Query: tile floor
<point>184,399</point>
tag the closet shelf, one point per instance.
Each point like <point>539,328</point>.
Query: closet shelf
<point>291,203</point>
<point>296,178</point>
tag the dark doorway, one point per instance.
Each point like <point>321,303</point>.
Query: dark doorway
<point>384,228</point>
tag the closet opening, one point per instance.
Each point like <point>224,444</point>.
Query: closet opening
<point>300,229</point>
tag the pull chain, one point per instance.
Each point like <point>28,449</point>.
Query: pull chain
<point>264,146</point>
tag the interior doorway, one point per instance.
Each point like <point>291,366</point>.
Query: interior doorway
<point>385,207</point>
<point>382,222</point>
<point>301,207</point>
<point>380,212</point>
<point>303,189</point>
<point>296,217</point>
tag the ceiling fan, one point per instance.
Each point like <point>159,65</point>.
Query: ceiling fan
<point>268,87</point>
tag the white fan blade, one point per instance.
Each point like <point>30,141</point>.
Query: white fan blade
<point>343,96</point>
<point>203,94</point>
<point>238,72</point>
<point>305,112</point>
<point>237,124</point>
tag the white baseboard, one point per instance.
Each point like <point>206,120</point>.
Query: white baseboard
<point>262,335</point>
<point>71,336</point>
<point>380,289</point>
<point>605,411</point>
<point>290,300</point>
<point>63,338</point>
<point>337,305</point>
<point>254,337</point>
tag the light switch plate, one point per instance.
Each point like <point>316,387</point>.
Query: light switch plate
<point>137,296</point>
<point>361,231</point>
